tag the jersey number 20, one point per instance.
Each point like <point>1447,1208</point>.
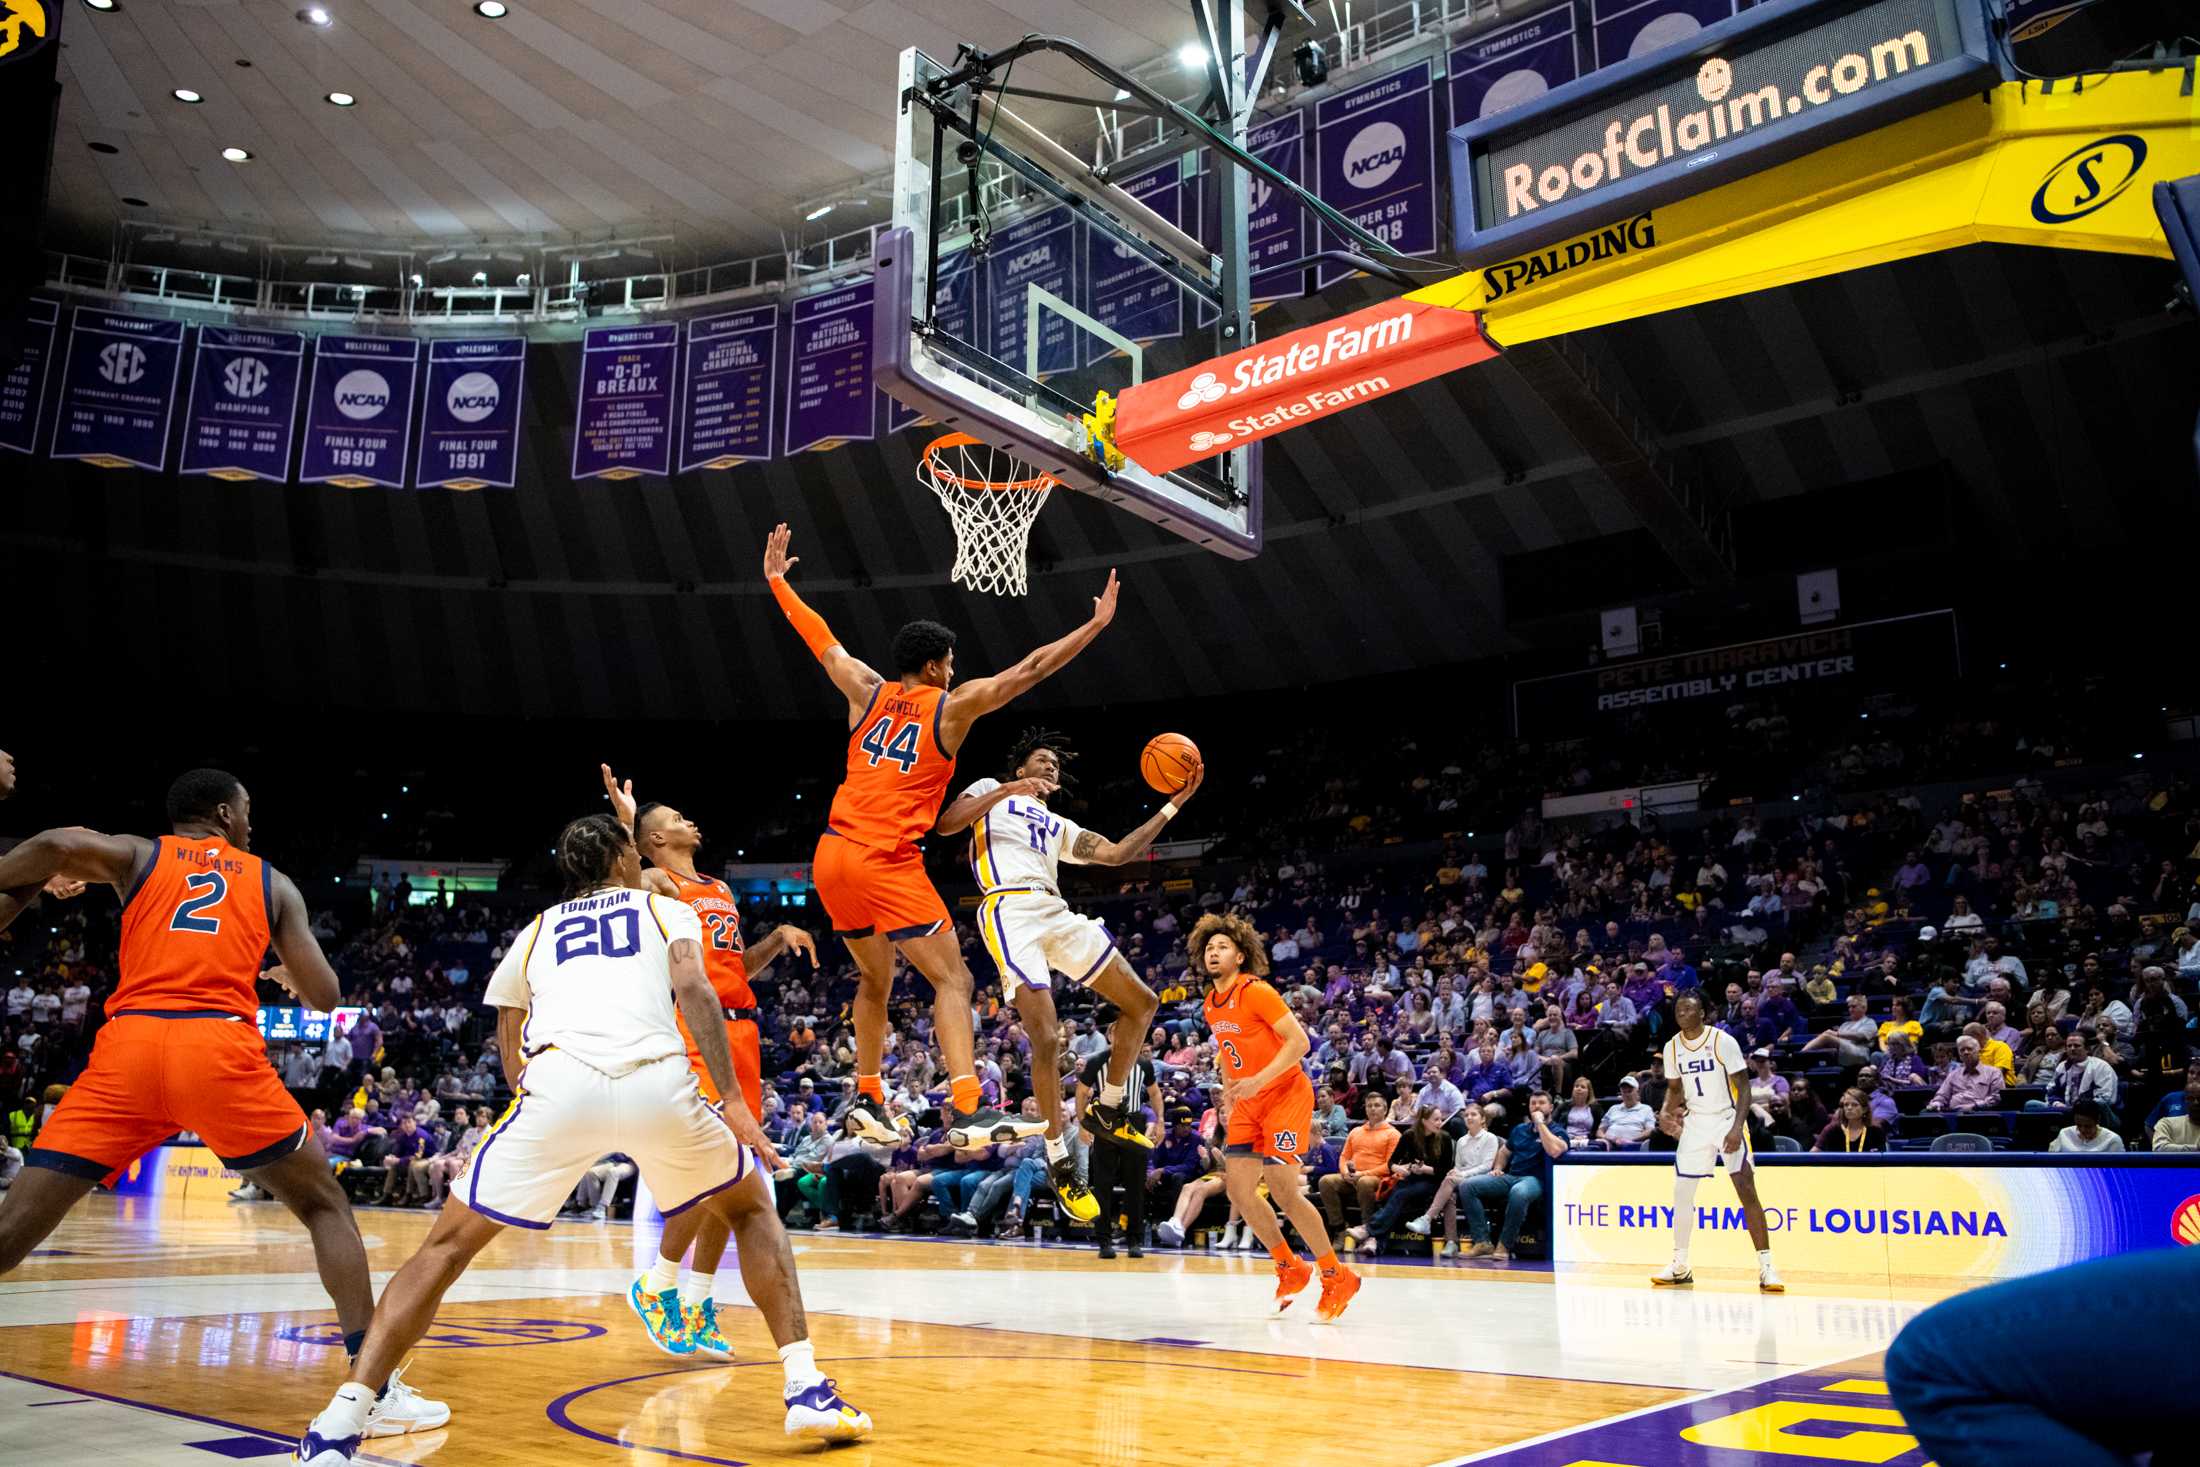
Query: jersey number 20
<point>611,935</point>
<point>883,741</point>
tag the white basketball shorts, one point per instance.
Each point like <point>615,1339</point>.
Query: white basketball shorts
<point>1034,935</point>
<point>568,1116</point>
<point>1703,1146</point>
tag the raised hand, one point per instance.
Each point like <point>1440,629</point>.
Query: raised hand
<point>623,805</point>
<point>1037,787</point>
<point>777,562</point>
<point>1103,605</point>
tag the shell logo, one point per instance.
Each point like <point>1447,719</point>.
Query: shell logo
<point>2184,1223</point>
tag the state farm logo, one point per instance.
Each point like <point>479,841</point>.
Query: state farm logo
<point>1206,442</point>
<point>362,394</point>
<point>245,377</point>
<point>122,363</point>
<point>1376,152</point>
<point>472,397</point>
<point>1203,389</point>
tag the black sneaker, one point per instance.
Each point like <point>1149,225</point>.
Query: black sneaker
<point>872,1123</point>
<point>1114,1123</point>
<point>1107,1249</point>
<point>1135,1251</point>
<point>986,1126</point>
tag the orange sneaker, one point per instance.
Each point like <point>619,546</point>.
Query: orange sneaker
<point>1291,1278</point>
<point>1337,1291</point>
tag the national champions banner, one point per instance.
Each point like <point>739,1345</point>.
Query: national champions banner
<point>23,386</point>
<point>623,426</point>
<point>1515,63</point>
<point>1848,662</point>
<point>830,399</point>
<point>1883,1218</point>
<point>732,368</point>
<point>1122,291</point>
<point>118,390</point>
<point>470,414</point>
<point>1376,154</point>
<point>359,411</point>
<point>243,407</point>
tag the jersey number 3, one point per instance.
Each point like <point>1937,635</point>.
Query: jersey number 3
<point>883,741</point>
<point>207,890</point>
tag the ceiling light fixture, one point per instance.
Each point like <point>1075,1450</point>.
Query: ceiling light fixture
<point>359,262</point>
<point>314,15</point>
<point>340,99</point>
<point>443,259</point>
<point>1194,55</point>
<point>237,155</point>
<point>185,94</point>
<point>481,277</point>
<point>101,4</point>
<point>818,213</point>
<point>491,9</point>
<point>317,261</point>
<point>1122,94</point>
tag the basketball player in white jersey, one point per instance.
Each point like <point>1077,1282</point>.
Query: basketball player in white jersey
<point>585,1000</point>
<point>1707,1107</point>
<point>1017,846</point>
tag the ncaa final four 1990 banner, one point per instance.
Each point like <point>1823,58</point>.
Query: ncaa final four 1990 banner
<point>359,411</point>
<point>243,405</point>
<point>1848,662</point>
<point>1883,1218</point>
<point>470,414</point>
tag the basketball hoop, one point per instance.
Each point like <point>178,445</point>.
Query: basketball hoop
<point>992,497</point>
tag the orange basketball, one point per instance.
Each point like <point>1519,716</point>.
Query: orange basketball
<point>1167,761</point>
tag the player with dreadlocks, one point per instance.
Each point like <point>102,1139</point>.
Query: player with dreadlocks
<point>1017,844</point>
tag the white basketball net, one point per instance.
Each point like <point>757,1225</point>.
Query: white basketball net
<point>992,497</point>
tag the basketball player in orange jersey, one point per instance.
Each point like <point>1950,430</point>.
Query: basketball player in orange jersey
<point>181,1049</point>
<point>902,738</point>
<point>669,840</point>
<point>1270,1104</point>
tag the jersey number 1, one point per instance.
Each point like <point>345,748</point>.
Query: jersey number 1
<point>884,741</point>
<point>208,888</point>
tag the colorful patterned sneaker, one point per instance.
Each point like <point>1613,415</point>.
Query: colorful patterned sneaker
<point>315,1450</point>
<point>401,1409</point>
<point>817,1413</point>
<point>871,1122</point>
<point>1070,1190</point>
<point>660,1315</point>
<point>701,1320</point>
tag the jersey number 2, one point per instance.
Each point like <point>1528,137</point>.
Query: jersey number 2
<point>612,935</point>
<point>208,888</point>
<point>884,741</point>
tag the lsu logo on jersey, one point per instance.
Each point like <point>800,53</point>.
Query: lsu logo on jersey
<point>18,17</point>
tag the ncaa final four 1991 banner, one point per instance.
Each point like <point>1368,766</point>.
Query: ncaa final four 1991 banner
<point>1848,662</point>
<point>1882,1218</point>
<point>470,414</point>
<point>243,405</point>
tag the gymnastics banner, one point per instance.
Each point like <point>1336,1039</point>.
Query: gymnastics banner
<point>359,411</point>
<point>1375,149</point>
<point>732,369</point>
<point>1122,291</point>
<point>118,390</point>
<point>1625,29</point>
<point>1514,64</point>
<point>623,426</point>
<point>1039,250</point>
<point>1881,1218</point>
<point>23,386</point>
<point>244,403</point>
<point>1275,225</point>
<point>830,399</point>
<point>470,414</point>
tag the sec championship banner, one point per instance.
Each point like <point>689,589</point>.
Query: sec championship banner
<point>1122,291</point>
<point>1884,1217</point>
<point>359,411</point>
<point>118,390</point>
<point>1513,64</point>
<point>1275,226</point>
<point>623,426</point>
<point>470,414</point>
<point>1041,252</point>
<point>1376,151</point>
<point>830,399</point>
<point>23,386</point>
<point>732,369</point>
<point>244,403</point>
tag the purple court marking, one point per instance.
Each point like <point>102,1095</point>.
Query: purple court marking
<point>241,1447</point>
<point>560,1414</point>
<point>75,1401</point>
<point>1165,1340</point>
<point>53,1253</point>
<point>285,1439</point>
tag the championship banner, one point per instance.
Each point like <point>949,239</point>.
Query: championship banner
<point>956,281</point>
<point>1848,663</point>
<point>1038,250</point>
<point>1122,291</point>
<point>830,399</point>
<point>1882,1219</point>
<point>118,390</point>
<point>359,411</point>
<point>1376,163</point>
<point>1302,375</point>
<point>244,403</point>
<point>622,428</point>
<point>732,370</point>
<point>1275,225</point>
<point>1624,29</point>
<point>1513,65</point>
<point>23,386</point>
<point>470,414</point>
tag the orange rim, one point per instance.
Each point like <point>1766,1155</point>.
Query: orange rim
<point>938,468</point>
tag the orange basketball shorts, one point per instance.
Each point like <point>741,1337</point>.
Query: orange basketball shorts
<point>747,1049</point>
<point>873,893</point>
<point>152,1077</point>
<point>1278,1123</point>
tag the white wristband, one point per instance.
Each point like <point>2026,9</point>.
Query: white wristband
<point>1168,810</point>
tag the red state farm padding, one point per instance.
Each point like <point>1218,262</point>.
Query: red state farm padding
<point>1293,380</point>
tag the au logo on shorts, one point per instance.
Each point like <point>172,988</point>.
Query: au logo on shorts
<point>22,27</point>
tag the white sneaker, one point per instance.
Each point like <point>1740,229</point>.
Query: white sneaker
<point>1229,1237</point>
<point>1673,1275</point>
<point>598,1214</point>
<point>1768,1280</point>
<point>402,1409</point>
<point>963,1218</point>
<point>1420,1227</point>
<point>1170,1233</point>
